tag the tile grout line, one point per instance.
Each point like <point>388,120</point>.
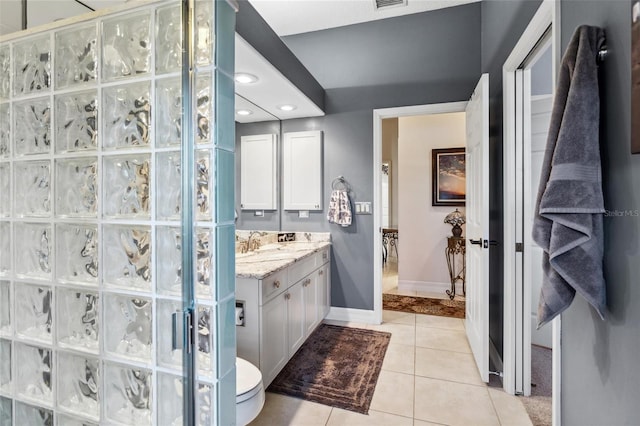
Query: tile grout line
<point>329,417</point>
<point>493,404</point>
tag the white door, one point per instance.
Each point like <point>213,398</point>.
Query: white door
<point>477,209</point>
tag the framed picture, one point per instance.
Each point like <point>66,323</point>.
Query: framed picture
<point>635,76</point>
<point>448,177</point>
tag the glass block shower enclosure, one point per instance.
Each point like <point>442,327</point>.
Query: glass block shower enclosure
<point>92,242</point>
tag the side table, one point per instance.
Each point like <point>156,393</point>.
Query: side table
<point>454,251</point>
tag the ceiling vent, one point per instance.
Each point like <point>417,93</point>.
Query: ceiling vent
<point>385,4</point>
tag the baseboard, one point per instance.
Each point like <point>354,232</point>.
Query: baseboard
<point>425,286</point>
<point>351,315</point>
<point>495,358</point>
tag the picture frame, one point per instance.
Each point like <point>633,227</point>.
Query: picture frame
<point>448,177</point>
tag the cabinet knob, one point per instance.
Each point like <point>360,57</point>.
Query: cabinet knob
<point>276,284</point>
<point>307,282</point>
<point>287,296</point>
<point>321,272</point>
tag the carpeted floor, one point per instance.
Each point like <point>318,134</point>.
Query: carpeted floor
<point>423,305</point>
<point>538,405</point>
<point>336,366</point>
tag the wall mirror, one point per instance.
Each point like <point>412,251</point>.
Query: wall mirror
<point>252,120</point>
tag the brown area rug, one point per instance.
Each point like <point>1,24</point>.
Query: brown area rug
<point>423,305</point>
<point>336,366</point>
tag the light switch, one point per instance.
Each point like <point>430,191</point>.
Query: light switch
<point>363,207</point>
<point>258,213</point>
<point>304,214</point>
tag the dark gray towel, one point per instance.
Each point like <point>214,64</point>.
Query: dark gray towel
<point>569,208</point>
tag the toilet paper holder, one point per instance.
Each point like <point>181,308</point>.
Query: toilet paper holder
<point>240,313</point>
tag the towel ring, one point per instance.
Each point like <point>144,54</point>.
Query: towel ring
<point>340,183</point>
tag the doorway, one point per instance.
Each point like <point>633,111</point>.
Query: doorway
<point>420,223</point>
<point>387,264</point>
<point>531,357</point>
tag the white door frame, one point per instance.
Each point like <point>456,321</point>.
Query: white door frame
<point>548,14</point>
<point>378,116</point>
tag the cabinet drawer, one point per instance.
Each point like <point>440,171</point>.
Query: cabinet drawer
<point>302,268</point>
<point>323,257</point>
<point>273,285</point>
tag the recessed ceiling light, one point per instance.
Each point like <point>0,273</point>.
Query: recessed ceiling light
<point>244,112</point>
<point>287,107</point>
<point>245,78</point>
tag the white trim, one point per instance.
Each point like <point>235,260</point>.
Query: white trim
<point>378,116</point>
<point>425,286</point>
<point>352,315</point>
<point>556,354</point>
<point>556,367</point>
<point>547,15</point>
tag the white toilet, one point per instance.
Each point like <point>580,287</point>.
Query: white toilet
<point>249,392</point>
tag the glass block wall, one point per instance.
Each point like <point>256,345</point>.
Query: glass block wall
<point>90,253</point>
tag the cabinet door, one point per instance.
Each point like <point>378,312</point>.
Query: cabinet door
<point>311,307</point>
<point>302,170</point>
<point>258,177</point>
<point>273,338</point>
<point>295,314</point>
<point>324,291</point>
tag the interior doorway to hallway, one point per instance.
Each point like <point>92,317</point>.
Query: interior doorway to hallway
<point>412,222</point>
<point>388,266</point>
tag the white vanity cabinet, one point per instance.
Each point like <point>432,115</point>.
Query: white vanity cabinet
<point>258,172</point>
<point>281,311</point>
<point>302,170</point>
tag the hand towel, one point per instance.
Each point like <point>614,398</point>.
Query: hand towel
<point>567,223</point>
<point>339,208</point>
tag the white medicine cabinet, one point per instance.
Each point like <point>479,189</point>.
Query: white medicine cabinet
<point>258,172</point>
<point>302,170</point>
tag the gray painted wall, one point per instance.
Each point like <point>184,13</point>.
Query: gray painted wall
<point>600,374</point>
<point>402,50</point>
<point>503,22</point>
<point>348,125</point>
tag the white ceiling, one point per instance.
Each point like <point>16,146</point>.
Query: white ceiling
<point>288,17</point>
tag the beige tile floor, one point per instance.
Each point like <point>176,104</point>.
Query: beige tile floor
<point>428,377</point>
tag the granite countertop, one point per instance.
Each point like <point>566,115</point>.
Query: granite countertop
<point>271,258</point>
